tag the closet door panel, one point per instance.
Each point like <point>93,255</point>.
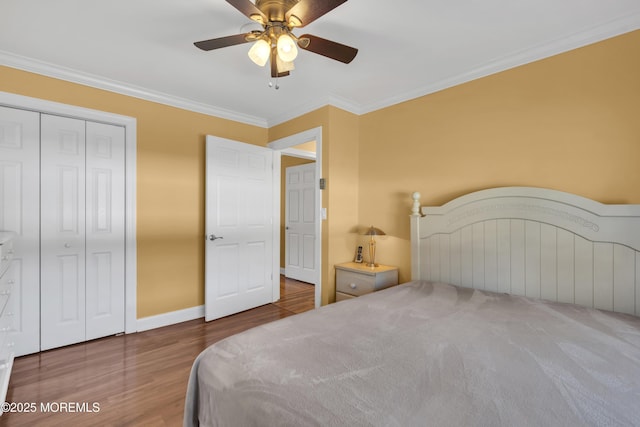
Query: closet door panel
<point>20,212</point>
<point>62,156</point>
<point>105,206</point>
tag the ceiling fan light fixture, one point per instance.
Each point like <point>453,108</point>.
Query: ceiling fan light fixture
<point>283,66</point>
<point>287,50</point>
<point>275,42</point>
<point>260,52</point>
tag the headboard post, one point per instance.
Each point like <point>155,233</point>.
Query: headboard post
<point>415,233</point>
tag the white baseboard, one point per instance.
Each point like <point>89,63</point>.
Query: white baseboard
<point>282,271</point>
<point>171,318</point>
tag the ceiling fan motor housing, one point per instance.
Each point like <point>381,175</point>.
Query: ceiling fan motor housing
<point>275,10</point>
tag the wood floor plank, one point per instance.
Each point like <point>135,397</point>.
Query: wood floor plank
<point>137,379</point>
<point>298,296</point>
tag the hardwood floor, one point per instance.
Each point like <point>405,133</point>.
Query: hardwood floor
<point>129,380</point>
<point>296,296</point>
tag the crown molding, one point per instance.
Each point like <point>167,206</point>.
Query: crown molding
<point>573,41</point>
<point>74,76</point>
<point>302,109</point>
<point>299,110</point>
<point>577,40</point>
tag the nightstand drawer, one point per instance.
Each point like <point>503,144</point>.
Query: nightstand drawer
<point>353,279</point>
<point>352,283</point>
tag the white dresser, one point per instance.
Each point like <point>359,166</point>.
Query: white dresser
<point>6,311</point>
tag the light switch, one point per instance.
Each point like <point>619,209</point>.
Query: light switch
<point>324,213</point>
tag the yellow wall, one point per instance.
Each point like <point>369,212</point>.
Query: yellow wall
<point>170,192</point>
<point>343,215</point>
<point>569,122</point>
<point>340,135</point>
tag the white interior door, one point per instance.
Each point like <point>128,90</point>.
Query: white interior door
<point>62,231</point>
<point>105,230</point>
<point>300,223</point>
<point>20,212</point>
<point>239,255</point>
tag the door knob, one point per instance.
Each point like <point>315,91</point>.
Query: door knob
<point>214,237</point>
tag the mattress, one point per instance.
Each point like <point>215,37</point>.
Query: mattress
<point>420,354</point>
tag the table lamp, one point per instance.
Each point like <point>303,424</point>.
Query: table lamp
<point>372,231</point>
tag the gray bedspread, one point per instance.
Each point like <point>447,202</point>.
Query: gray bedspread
<point>425,354</point>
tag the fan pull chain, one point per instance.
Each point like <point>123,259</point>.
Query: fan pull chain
<point>277,86</point>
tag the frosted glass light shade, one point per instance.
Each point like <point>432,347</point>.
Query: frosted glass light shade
<point>287,50</point>
<point>260,52</point>
<point>283,66</point>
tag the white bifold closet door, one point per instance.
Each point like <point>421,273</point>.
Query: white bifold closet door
<point>62,236</point>
<point>105,230</point>
<point>81,231</point>
<point>20,212</point>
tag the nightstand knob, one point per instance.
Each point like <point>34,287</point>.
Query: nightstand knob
<point>352,285</point>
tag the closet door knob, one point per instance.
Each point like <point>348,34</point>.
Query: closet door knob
<point>67,245</point>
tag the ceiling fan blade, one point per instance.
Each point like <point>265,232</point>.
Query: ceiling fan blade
<point>333,50</point>
<point>274,65</point>
<point>248,9</point>
<point>222,42</point>
<point>308,11</point>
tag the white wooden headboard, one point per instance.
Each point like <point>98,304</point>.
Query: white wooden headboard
<point>535,242</point>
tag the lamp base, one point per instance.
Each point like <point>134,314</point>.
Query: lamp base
<point>372,253</point>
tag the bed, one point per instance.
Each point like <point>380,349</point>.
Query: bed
<point>522,310</point>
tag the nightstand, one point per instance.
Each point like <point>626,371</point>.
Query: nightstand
<point>355,279</point>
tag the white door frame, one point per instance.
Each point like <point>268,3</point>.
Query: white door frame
<point>130,125</point>
<point>283,146</point>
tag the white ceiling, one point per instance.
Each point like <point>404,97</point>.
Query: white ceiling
<point>407,48</point>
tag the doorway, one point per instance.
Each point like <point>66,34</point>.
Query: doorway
<point>298,146</point>
<point>297,224</point>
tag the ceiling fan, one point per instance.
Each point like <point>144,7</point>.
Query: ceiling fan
<point>276,42</point>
